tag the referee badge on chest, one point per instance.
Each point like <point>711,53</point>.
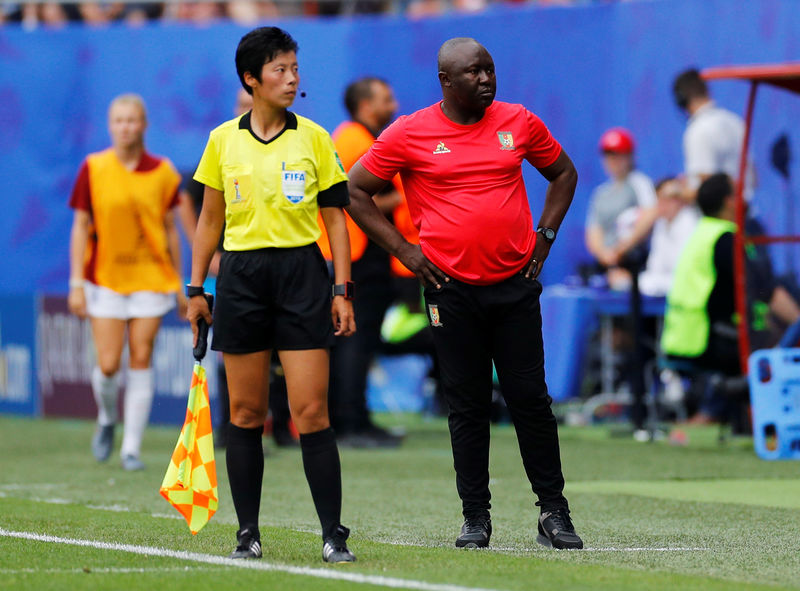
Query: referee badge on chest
<point>293,183</point>
<point>433,313</point>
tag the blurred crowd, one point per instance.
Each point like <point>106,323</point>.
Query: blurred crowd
<point>247,12</point>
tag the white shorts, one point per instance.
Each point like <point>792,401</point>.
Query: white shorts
<point>102,302</point>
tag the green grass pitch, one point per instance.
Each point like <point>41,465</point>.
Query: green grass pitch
<point>705,516</point>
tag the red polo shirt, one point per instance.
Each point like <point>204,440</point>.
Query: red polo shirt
<point>464,186</point>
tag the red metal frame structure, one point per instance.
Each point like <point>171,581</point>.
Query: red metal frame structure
<point>786,76</point>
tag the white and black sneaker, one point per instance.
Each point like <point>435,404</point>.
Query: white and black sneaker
<point>476,532</point>
<point>556,531</point>
<point>248,543</point>
<point>334,548</point>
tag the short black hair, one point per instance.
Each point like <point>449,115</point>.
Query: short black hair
<point>258,47</point>
<point>359,90</point>
<point>712,194</point>
<point>687,86</point>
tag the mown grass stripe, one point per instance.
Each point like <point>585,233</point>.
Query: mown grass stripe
<point>320,573</point>
<point>105,570</point>
<point>392,542</point>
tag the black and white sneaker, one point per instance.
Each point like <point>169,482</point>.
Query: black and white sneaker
<point>475,532</point>
<point>556,531</point>
<point>248,544</point>
<point>334,548</point>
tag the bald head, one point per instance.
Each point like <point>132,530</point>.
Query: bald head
<point>466,74</point>
<point>453,49</point>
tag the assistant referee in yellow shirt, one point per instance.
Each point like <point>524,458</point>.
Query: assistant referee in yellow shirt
<point>267,174</point>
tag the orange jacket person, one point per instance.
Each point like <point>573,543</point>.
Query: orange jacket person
<point>371,105</point>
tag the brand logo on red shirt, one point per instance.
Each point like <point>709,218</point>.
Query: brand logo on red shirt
<point>441,149</point>
<point>506,140</point>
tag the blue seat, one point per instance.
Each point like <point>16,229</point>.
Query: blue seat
<point>774,379</point>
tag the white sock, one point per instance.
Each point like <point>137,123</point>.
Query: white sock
<point>105,389</point>
<point>138,400</point>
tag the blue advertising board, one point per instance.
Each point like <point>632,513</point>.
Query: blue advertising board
<point>18,393</point>
<point>67,357</point>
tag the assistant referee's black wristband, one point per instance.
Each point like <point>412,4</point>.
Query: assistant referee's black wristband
<point>194,290</point>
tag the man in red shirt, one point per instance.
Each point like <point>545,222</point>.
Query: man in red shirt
<point>460,161</point>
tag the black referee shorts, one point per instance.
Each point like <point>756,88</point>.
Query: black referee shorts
<point>273,298</point>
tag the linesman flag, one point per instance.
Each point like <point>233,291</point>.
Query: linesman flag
<point>190,484</point>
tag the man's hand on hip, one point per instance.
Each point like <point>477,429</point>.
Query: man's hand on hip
<point>416,262</point>
<point>534,266</point>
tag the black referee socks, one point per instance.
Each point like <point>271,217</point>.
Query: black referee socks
<point>324,475</point>
<point>244,458</point>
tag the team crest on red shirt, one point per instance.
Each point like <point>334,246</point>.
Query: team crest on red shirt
<point>506,140</point>
<point>433,312</point>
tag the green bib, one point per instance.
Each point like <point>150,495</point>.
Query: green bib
<point>686,322</point>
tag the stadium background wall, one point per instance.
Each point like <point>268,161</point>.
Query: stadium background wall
<point>46,360</point>
<point>582,69</point>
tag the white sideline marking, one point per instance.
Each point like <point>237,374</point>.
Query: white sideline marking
<point>589,549</point>
<point>320,573</point>
<point>114,508</point>
<point>174,516</point>
<point>665,549</point>
<point>24,487</point>
<point>104,570</point>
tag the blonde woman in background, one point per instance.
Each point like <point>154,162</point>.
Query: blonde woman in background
<point>124,269</point>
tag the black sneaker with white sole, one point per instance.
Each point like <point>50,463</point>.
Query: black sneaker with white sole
<point>334,547</point>
<point>556,531</point>
<point>248,543</point>
<point>476,532</point>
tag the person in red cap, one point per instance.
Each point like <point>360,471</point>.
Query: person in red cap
<point>621,210</point>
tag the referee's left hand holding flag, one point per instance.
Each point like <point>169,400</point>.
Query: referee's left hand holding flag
<point>197,308</point>
<point>190,483</point>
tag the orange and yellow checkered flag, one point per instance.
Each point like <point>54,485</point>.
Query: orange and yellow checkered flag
<point>190,484</point>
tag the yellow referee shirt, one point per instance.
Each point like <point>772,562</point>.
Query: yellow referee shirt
<point>273,189</point>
